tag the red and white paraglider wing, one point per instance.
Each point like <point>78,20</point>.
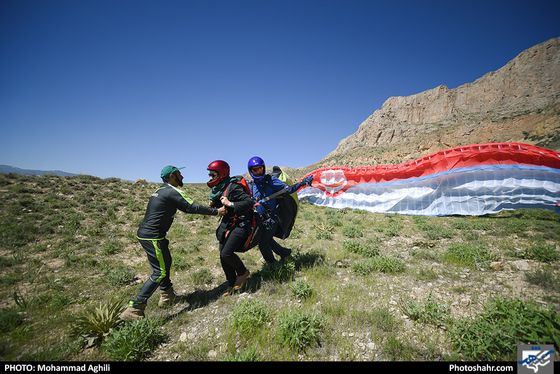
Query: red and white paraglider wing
<point>470,180</point>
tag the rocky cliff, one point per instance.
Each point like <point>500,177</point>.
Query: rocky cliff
<point>519,103</point>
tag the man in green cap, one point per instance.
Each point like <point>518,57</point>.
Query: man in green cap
<point>162,206</point>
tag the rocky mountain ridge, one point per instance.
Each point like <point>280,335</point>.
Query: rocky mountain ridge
<point>519,102</point>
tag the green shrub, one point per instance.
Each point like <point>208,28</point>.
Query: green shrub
<point>323,235</point>
<point>17,234</point>
<point>298,329</point>
<point>281,271</point>
<point>324,231</point>
<point>543,252</point>
<point>544,277</point>
<point>9,320</point>
<point>251,355</point>
<point>384,264</point>
<point>249,316</point>
<point>314,257</point>
<point>334,220</point>
<point>95,325</point>
<point>366,250</point>
<point>301,290</point>
<point>433,231</point>
<point>112,246</point>
<point>468,254</point>
<point>118,275</point>
<point>430,312</point>
<point>505,323</point>
<point>393,227</point>
<point>134,341</point>
<point>465,224</point>
<point>202,276</point>
<point>352,231</point>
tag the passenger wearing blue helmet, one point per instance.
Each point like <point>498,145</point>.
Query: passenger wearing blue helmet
<point>263,186</point>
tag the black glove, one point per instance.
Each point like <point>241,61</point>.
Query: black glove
<point>307,180</point>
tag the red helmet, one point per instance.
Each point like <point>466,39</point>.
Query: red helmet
<point>222,168</point>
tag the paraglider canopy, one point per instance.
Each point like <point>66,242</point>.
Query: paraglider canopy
<point>469,180</point>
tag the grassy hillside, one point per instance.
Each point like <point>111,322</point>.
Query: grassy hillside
<point>359,286</point>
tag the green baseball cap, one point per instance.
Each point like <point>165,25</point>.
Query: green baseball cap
<point>168,170</point>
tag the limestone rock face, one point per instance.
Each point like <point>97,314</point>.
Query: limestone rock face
<point>519,102</point>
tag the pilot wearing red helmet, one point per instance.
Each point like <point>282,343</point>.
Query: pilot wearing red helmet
<point>235,228</point>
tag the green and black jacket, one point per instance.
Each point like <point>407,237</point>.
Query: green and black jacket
<point>162,206</point>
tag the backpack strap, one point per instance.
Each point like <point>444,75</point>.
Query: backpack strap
<point>235,215</point>
<point>278,194</point>
<point>266,184</point>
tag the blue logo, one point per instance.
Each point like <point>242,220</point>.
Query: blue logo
<point>535,359</point>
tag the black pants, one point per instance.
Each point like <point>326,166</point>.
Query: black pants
<point>268,245</point>
<point>233,242</point>
<point>160,261</point>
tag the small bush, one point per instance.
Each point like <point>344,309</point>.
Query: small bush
<point>278,271</point>
<point>118,275</point>
<point>250,355</point>
<point>324,235</point>
<point>545,278</point>
<point>182,263</point>
<point>134,341</point>
<point>95,325</point>
<point>301,290</point>
<point>202,276</point>
<point>314,257</point>
<point>430,312</point>
<point>17,234</point>
<point>249,316</point>
<point>543,253</point>
<point>468,254</point>
<point>366,250</point>
<point>9,320</point>
<point>325,231</point>
<point>112,246</point>
<point>432,231</point>
<point>334,220</point>
<point>382,264</point>
<point>505,323</point>
<point>299,330</point>
<point>352,231</point>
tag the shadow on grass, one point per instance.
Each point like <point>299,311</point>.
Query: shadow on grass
<point>282,271</point>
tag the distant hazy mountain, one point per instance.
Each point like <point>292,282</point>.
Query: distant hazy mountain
<point>11,169</point>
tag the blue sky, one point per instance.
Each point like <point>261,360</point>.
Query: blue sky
<point>121,88</point>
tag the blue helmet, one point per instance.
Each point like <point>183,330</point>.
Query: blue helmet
<point>256,161</point>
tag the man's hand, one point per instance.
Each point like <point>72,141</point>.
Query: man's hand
<point>222,211</point>
<point>225,201</point>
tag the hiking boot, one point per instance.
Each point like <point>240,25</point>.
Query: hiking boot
<point>168,297</point>
<point>133,312</point>
<point>229,291</point>
<point>240,280</point>
<point>287,253</point>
